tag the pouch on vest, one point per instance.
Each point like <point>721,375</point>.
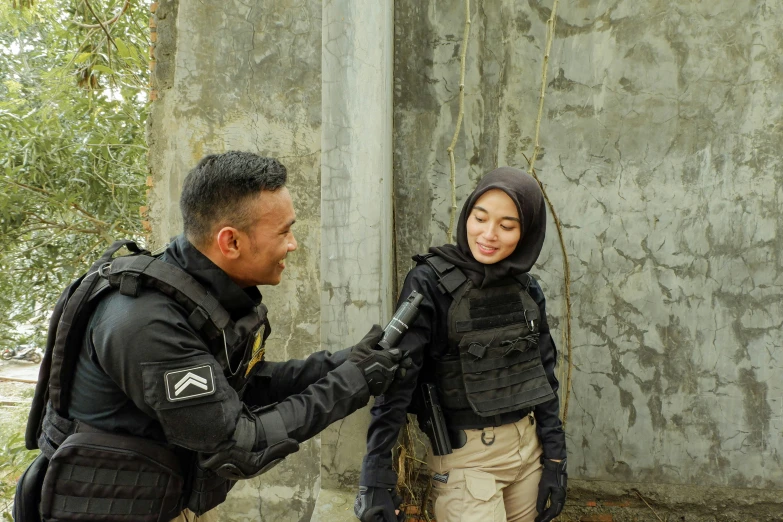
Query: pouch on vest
<point>111,478</point>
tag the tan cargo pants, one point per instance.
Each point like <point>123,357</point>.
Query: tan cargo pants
<point>189,516</point>
<point>492,478</point>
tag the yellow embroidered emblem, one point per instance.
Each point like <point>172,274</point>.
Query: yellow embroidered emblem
<point>258,350</point>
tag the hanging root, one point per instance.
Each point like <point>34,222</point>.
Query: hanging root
<point>460,114</point>
<point>531,162</point>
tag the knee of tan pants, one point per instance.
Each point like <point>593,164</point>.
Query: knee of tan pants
<point>467,495</point>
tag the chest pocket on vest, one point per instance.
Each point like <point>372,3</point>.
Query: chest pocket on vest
<point>498,331</point>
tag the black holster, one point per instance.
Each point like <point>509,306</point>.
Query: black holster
<point>111,478</point>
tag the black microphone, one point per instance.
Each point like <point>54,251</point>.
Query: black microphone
<point>406,313</point>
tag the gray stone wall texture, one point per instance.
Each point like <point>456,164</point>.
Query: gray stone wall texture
<point>247,76</point>
<point>661,153</point>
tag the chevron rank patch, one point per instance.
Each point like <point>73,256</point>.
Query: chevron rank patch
<point>189,383</point>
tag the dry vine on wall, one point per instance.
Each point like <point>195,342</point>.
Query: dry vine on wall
<point>550,25</point>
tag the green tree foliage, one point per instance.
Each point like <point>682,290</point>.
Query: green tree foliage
<point>72,131</point>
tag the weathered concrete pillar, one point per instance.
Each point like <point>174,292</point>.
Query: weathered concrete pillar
<point>237,76</point>
<point>356,212</point>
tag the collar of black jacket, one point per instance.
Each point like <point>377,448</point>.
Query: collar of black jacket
<point>236,300</point>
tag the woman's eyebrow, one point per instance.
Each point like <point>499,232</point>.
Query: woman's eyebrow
<point>476,207</point>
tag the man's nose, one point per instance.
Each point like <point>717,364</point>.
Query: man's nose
<point>293,244</point>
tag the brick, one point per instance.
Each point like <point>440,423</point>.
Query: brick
<point>153,22</point>
<point>598,517</point>
<point>153,7</point>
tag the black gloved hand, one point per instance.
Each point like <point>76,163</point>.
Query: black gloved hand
<point>552,487</point>
<point>378,365</point>
<point>377,505</point>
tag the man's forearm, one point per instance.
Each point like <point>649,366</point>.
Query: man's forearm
<point>333,397</point>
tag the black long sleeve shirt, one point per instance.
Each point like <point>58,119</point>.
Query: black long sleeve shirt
<point>426,340</point>
<point>119,383</point>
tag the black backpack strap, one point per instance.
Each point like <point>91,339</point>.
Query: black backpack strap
<point>129,273</point>
<point>41,396</point>
<point>70,331</point>
<point>113,249</point>
<point>56,362</point>
<point>450,277</point>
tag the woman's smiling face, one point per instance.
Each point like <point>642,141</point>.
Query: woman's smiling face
<point>493,227</point>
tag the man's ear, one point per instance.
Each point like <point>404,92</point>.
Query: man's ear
<point>228,239</point>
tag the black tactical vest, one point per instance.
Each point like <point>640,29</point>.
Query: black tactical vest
<point>235,345</point>
<point>492,368</point>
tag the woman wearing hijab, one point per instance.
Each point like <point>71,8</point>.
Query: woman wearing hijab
<point>482,342</point>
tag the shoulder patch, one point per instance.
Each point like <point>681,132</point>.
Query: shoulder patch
<point>189,383</point>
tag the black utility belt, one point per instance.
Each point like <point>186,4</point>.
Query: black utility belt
<point>459,438</point>
<point>469,420</point>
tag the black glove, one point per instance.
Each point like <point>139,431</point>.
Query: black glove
<point>552,487</point>
<point>377,505</point>
<point>378,365</point>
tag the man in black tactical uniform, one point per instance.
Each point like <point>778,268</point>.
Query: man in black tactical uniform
<point>146,369</point>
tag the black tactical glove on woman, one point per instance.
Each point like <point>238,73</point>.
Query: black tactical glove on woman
<point>552,487</point>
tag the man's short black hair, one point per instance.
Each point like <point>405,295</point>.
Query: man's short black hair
<point>217,191</point>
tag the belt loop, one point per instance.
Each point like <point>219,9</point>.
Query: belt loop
<point>488,441</point>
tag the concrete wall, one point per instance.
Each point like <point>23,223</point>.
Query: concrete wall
<point>356,214</point>
<point>238,76</point>
<point>661,140</point>
<point>662,143</point>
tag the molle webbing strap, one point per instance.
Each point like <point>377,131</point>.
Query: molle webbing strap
<point>486,323</point>
<point>488,384</point>
<point>536,395</point>
<point>130,273</point>
<point>495,312</point>
<point>450,278</point>
<point>107,507</point>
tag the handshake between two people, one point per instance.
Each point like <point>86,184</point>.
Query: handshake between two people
<point>377,355</point>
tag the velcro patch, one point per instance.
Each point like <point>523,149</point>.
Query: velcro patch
<point>441,477</point>
<point>189,383</point>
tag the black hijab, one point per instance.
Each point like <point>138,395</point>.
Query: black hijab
<point>527,196</point>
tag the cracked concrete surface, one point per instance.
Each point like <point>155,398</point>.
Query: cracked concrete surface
<point>247,76</point>
<point>662,156</point>
<point>661,152</point>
